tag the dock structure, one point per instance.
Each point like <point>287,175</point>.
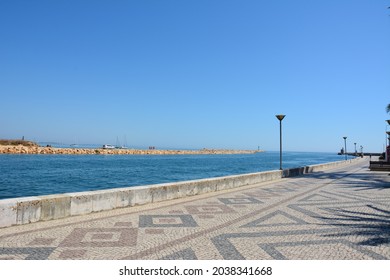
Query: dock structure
<point>335,213</point>
<point>360,154</point>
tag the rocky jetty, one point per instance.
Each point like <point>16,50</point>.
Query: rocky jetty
<point>17,142</point>
<point>21,149</point>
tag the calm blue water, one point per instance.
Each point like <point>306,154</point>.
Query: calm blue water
<point>31,175</point>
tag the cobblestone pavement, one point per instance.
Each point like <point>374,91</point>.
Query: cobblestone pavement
<point>342,213</point>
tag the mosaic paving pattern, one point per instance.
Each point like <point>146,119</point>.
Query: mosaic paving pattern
<point>166,221</point>
<point>339,214</point>
<point>27,253</point>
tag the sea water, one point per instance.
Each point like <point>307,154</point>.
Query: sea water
<point>32,175</point>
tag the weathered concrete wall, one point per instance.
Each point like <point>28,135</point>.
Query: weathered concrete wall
<point>26,210</point>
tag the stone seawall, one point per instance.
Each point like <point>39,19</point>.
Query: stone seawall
<point>19,149</point>
<point>26,210</point>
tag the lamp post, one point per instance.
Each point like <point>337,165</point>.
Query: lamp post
<point>280,118</point>
<point>355,149</point>
<point>345,147</point>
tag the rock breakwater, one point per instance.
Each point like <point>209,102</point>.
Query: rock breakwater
<point>20,149</point>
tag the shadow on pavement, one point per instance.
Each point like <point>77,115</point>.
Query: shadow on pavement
<point>357,181</point>
<point>374,226</point>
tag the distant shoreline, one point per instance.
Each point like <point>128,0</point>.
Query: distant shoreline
<point>20,149</point>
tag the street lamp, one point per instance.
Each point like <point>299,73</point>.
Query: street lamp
<point>280,118</point>
<point>345,146</point>
<point>355,149</point>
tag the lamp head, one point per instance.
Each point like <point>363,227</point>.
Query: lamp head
<point>280,117</point>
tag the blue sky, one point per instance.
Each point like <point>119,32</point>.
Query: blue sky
<point>195,74</point>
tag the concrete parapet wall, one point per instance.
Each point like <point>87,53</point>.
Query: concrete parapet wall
<point>26,210</point>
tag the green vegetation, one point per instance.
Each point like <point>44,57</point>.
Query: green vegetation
<point>18,142</point>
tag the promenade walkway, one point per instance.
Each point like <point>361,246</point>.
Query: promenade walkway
<point>342,213</point>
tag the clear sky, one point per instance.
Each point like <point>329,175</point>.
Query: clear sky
<point>195,74</point>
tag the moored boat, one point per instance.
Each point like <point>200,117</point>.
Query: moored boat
<point>107,146</point>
